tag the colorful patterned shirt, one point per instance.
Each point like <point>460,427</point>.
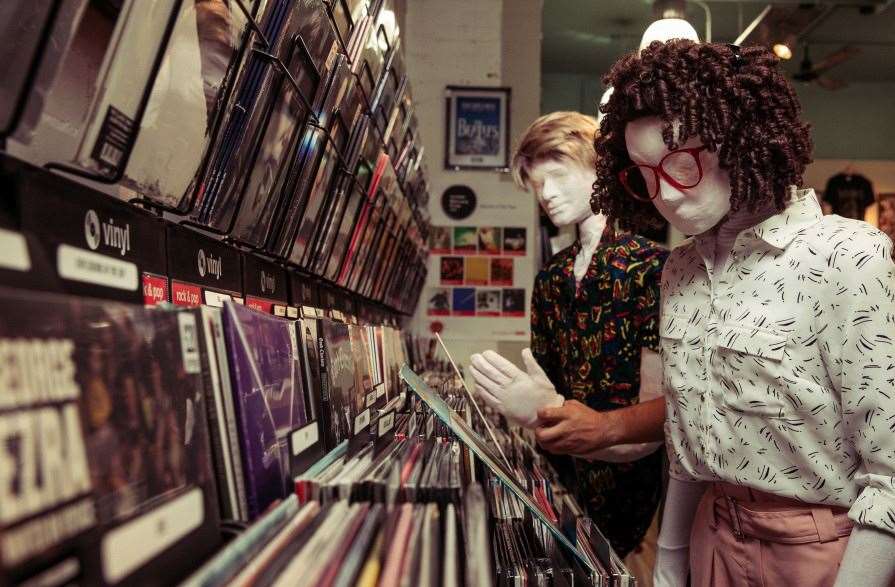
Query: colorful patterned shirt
<point>588,340</point>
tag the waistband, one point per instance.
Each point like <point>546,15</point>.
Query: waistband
<point>755,514</point>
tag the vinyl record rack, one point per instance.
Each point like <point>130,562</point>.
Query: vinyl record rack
<point>272,157</point>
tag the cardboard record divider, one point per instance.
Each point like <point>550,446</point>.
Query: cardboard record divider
<point>77,241</point>
<point>203,271</point>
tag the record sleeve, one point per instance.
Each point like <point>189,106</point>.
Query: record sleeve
<point>474,442</point>
<point>340,382</point>
<point>318,164</point>
<point>232,154</point>
<point>87,106</point>
<point>310,55</point>
<point>221,414</point>
<point>210,39</point>
<point>267,384</point>
<point>109,397</point>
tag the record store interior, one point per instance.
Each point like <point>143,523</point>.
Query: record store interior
<point>447,293</point>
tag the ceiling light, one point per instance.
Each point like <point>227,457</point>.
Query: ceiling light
<point>782,51</point>
<point>667,29</point>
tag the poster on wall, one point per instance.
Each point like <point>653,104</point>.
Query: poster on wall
<point>440,240</point>
<point>514,302</point>
<point>487,302</point>
<point>501,271</point>
<point>489,240</point>
<point>463,302</point>
<point>439,302</point>
<point>478,128</point>
<point>452,271</point>
<point>465,242</point>
<point>477,271</point>
<point>514,241</point>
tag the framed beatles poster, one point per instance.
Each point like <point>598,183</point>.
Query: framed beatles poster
<point>478,128</point>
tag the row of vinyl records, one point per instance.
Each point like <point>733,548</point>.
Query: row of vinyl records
<point>136,439</point>
<point>285,125</point>
<point>132,435</point>
<point>415,507</point>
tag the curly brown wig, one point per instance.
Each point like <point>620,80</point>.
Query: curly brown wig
<point>736,100</point>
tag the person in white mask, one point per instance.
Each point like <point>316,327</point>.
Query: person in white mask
<point>777,326</point>
<point>593,370</point>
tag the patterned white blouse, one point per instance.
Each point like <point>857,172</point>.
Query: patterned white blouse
<point>779,369</point>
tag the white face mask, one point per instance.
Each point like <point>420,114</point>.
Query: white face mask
<point>563,190</point>
<point>691,210</point>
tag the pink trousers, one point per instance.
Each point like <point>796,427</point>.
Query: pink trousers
<point>746,537</point>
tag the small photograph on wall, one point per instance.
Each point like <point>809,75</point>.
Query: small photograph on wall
<point>514,302</point>
<point>487,302</point>
<point>489,240</point>
<point>452,271</point>
<point>463,302</point>
<point>477,270</point>
<point>502,271</point>
<point>886,214</point>
<point>465,240</point>
<point>439,303</point>
<point>478,128</point>
<point>514,241</point>
<point>440,240</point>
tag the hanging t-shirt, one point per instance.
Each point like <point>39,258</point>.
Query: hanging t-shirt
<point>849,195</point>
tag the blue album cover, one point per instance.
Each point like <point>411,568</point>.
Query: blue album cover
<point>266,376</point>
<point>477,128</point>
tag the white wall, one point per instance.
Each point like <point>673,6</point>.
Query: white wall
<point>475,43</point>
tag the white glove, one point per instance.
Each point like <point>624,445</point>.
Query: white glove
<point>512,392</point>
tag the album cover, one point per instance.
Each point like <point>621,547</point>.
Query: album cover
<point>463,303</point>
<point>221,414</point>
<point>514,302</point>
<point>452,270</point>
<point>363,370</point>
<point>339,373</point>
<point>439,303</point>
<point>440,240</point>
<point>231,156</point>
<point>487,302</point>
<point>307,330</point>
<point>284,126</point>
<point>266,378</point>
<point>354,201</point>
<point>111,395</point>
<point>489,240</point>
<point>477,270</point>
<point>206,46</point>
<point>514,240</point>
<point>502,271</point>
<point>465,239</point>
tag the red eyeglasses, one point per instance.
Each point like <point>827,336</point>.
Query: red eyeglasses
<point>681,168</point>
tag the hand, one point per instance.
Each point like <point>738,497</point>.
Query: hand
<point>516,394</point>
<point>575,429</point>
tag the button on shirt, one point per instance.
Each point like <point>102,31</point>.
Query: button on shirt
<point>779,368</point>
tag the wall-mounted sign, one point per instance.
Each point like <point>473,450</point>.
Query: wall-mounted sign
<point>478,128</point>
<point>458,202</point>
